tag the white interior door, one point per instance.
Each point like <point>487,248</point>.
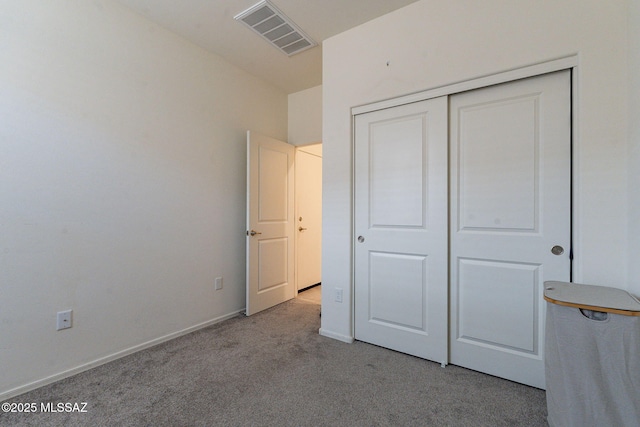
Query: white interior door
<point>270,222</point>
<point>510,205</point>
<point>308,216</point>
<point>401,228</point>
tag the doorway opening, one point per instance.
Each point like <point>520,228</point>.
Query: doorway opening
<point>308,200</point>
<point>284,220</point>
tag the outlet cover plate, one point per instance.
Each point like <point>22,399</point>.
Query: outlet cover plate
<point>63,320</point>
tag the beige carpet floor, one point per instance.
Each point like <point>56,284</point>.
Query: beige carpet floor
<point>274,369</point>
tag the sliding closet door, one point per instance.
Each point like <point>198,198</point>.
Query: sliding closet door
<point>400,236</point>
<point>510,221</point>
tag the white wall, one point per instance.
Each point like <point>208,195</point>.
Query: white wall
<point>432,43</point>
<point>122,181</point>
<point>305,116</point>
<point>634,146</point>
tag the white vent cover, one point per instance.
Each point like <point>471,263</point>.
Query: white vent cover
<point>274,26</point>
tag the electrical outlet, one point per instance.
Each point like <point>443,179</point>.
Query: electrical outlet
<point>63,320</point>
<point>218,283</point>
<point>338,295</point>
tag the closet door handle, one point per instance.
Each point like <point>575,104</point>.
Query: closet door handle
<point>253,233</point>
<point>301,228</point>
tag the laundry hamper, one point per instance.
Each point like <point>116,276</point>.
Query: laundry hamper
<point>592,356</point>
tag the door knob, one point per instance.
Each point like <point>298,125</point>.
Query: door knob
<point>557,250</point>
<point>301,228</point>
<point>360,239</point>
<point>253,232</point>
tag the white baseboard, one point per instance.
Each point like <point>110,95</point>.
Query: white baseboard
<point>336,336</point>
<point>109,358</point>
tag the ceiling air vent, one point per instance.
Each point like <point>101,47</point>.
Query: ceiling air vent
<point>274,26</point>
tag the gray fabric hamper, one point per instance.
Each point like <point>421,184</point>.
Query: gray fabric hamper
<point>592,356</point>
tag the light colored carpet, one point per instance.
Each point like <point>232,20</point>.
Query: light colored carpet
<point>273,369</point>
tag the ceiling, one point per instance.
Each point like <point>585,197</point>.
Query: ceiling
<point>210,24</point>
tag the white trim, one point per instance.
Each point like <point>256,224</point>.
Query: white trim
<point>352,231</point>
<point>114,356</point>
<point>336,336</point>
<point>576,241</point>
<point>474,83</point>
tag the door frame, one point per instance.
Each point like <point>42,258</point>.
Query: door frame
<point>566,63</point>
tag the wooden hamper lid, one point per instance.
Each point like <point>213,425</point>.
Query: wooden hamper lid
<point>590,297</point>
